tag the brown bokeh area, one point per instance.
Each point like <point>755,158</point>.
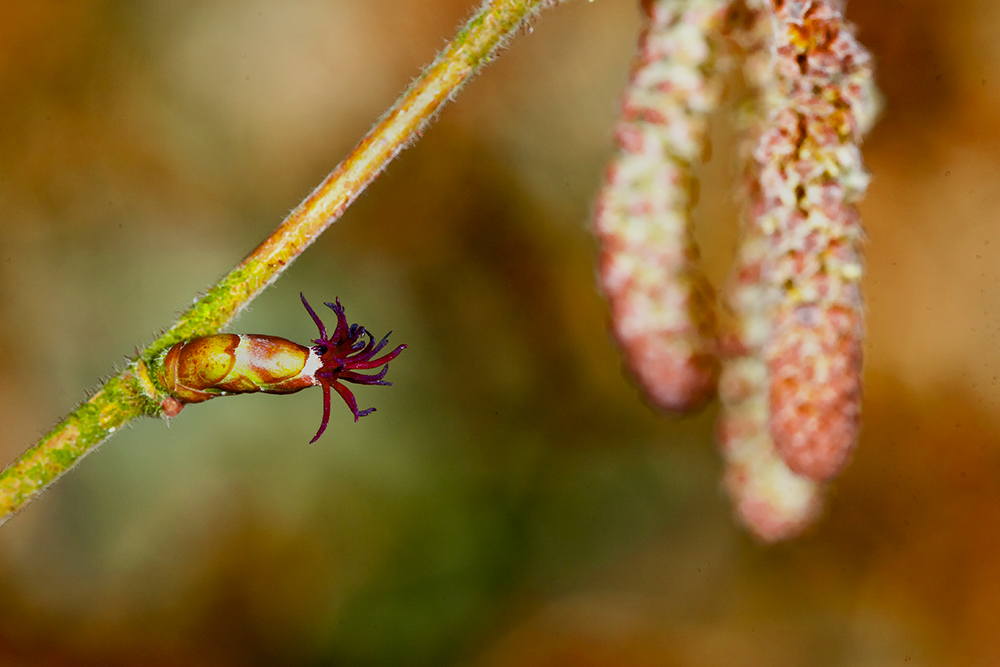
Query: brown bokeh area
<point>512,501</point>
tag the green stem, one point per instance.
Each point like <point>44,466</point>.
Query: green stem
<point>133,393</point>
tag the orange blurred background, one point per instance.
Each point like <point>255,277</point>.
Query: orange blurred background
<point>512,502</point>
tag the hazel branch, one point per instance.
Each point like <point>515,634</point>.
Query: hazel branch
<point>133,393</point>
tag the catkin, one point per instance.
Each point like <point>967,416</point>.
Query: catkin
<point>792,329</point>
<point>819,99</point>
<point>662,305</point>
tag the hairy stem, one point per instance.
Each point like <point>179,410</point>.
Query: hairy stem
<point>133,393</point>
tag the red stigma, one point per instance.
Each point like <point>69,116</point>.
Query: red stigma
<point>343,354</point>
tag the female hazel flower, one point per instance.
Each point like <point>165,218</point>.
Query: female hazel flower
<point>225,364</point>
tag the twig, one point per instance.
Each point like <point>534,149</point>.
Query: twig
<point>134,392</point>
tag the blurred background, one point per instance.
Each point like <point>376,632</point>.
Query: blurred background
<point>513,501</point>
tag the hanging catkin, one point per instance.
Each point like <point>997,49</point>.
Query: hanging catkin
<point>662,306</point>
